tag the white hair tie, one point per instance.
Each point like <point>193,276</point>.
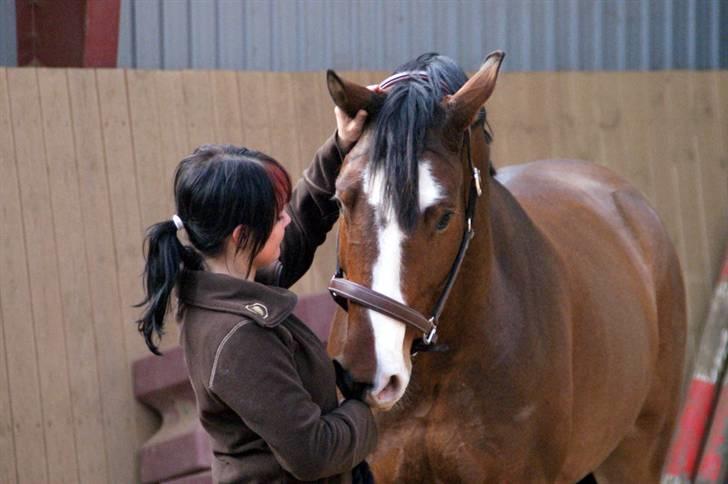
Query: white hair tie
<point>177,221</point>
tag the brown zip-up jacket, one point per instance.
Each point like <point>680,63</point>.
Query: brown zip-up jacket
<point>264,384</point>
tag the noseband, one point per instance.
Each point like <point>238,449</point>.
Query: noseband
<point>344,290</point>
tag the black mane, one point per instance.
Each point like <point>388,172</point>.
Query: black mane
<point>412,107</point>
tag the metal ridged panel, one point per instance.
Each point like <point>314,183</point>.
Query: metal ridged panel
<point>295,35</point>
<point>8,42</point>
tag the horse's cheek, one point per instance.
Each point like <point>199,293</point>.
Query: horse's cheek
<point>338,333</point>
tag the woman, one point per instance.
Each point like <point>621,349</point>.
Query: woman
<point>264,385</point>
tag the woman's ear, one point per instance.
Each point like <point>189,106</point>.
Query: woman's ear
<point>238,235</point>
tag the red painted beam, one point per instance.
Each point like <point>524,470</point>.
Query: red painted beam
<point>101,43</point>
<point>695,418</point>
<point>67,33</point>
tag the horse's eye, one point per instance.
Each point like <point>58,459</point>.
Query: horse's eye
<point>444,221</point>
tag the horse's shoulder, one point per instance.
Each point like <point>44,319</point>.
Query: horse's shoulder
<point>580,204</point>
<point>545,175</point>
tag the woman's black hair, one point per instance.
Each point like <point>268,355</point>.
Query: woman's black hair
<point>216,189</point>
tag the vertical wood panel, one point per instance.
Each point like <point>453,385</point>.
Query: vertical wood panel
<point>88,156</point>
<point>145,131</point>
<point>607,113</point>
<point>7,443</point>
<point>687,196</point>
<point>174,140</point>
<point>199,111</point>
<point>114,385</point>
<point>13,295</point>
<point>520,138</point>
<point>710,140</point>
<point>226,104</point>
<point>283,132</point>
<point>153,180</point>
<point>311,132</point>
<point>281,115</point>
<point>125,218</point>
<point>253,97</point>
<point>633,102</point>
<point>75,305</point>
<point>29,408</point>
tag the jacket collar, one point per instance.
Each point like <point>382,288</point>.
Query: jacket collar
<point>266,305</point>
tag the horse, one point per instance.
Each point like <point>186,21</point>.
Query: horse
<point>555,343</point>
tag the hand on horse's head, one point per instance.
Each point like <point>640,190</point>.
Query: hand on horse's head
<point>349,129</point>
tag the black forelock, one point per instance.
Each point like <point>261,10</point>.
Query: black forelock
<point>411,108</point>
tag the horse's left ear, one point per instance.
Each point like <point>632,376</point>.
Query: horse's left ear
<point>462,107</point>
<point>351,97</point>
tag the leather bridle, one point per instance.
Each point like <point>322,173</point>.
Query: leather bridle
<point>344,290</point>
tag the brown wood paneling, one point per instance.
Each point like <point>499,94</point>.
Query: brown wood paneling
<point>146,132</point>
<point>315,107</point>
<point>174,145</point>
<point>307,137</point>
<point>126,222</point>
<point>87,159</point>
<point>226,106</point>
<point>709,137</point>
<point>7,442</point>
<point>254,114</point>
<point>114,379</point>
<point>18,346</point>
<point>82,383</point>
<point>285,136</point>
<point>41,312</point>
<point>199,111</point>
<point>634,147</point>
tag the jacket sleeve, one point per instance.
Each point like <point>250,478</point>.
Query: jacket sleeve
<point>255,375</point>
<point>313,212</point>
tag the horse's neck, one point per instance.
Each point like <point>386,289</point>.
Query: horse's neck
<point>495,287</point>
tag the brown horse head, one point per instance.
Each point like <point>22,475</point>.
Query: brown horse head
<point>403,191</point>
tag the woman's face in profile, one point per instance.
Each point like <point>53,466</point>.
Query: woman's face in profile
<point>272,248</point>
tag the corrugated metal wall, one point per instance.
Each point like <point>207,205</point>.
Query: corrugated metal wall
<point>8,44</point>
<point>300,35</point>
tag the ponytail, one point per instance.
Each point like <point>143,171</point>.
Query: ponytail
<point>216,189</point>
<point>166,257</point>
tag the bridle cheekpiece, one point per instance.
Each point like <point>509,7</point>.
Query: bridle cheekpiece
<point>343,290</point>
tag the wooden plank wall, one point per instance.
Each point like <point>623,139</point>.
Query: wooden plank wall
<point>86,158</point>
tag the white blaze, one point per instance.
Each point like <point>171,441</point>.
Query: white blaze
<point>387,275</point>
<point>430,191</point>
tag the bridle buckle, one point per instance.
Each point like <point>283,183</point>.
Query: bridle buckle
<point>431,336</point>
<point>476,178</point>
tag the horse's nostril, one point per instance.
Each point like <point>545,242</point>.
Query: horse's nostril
<point>391,389</point>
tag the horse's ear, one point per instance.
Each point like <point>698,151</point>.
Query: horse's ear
<point>352,97</point>
<point>463,106</point>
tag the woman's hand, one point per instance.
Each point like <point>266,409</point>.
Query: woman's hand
<point>349,129</point>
